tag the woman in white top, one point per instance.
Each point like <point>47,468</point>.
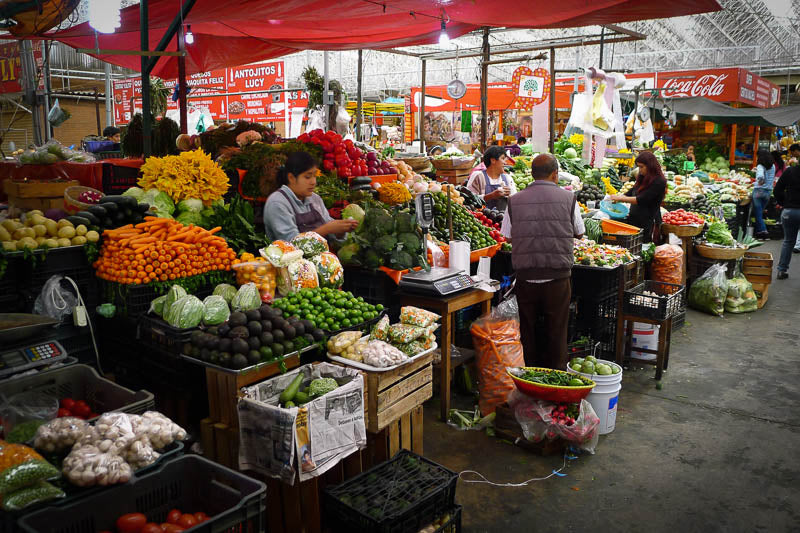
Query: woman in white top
<point>493,184</point>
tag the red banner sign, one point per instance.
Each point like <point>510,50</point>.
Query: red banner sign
<point>257,107</point>
<point>11,66</point>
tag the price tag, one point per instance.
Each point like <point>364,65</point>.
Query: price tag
<point>688,165</point>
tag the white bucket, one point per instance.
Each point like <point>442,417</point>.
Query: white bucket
<point>605,407</point>
<point>644,336</point>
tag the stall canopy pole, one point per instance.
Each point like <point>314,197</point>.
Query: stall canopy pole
<point>732,154</point>
<point>602,43</point>
<point>485,90</point>
<point>48,128</point>
<point>144,35</point>
<point>29,78</point>
<point>97,112</point>
<point>325,88</point>
<point>182,90</point>
<point>552,99</point>
<point>422,109</point>
<point>109,108</point>
<point>360,101</point>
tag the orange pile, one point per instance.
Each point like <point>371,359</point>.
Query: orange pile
<point>160,249</point>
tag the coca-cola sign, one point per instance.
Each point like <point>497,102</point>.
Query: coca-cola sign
<point>708,85</point>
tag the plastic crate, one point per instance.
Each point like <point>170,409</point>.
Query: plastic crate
<point>453,523</point>
<point>81,382</point>
<point>154,331</point>
<point>679,320</point>
<point>374,286</point>
<point>634,274</point>
<point>596,283</point>
<point>134,300</point>
<point>235,502</point>
<point>632,242</point>
<point>410,490</point>
<point>118,179</point>
<point>114,154</point>
<point>582,347</point>
<point>668,300</point>
<point>598,321</point>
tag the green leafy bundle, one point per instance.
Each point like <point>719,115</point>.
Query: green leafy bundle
<point>237,221</point>
<point>718,233</point>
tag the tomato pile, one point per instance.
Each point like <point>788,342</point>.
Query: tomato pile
<point>176,522</point>
<point>344,156</point>
<point>682,218</point>
<point>78,409</point>
<point>493,226</point>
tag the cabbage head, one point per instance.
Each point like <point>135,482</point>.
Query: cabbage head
<point>190,204</point>
<point>348,254</point>
<point>571,153</point>
<point>215,310</point>
<point>135,192</point>
<point>185,313</point>
<point>247,297</point>
<point>173,295</point>
<point>159,201</point>
<point>190,217</point>
<point>226,291</point>
<point>353,211</point>
<point>157,305</point>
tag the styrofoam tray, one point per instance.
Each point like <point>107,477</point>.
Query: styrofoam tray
<point>364,366</point>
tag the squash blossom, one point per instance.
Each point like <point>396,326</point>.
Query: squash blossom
<point>189,175</point>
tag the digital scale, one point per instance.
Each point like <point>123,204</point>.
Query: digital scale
<point>27,357</point>
<point>439,281</point>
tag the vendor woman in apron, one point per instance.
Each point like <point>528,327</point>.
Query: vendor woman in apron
<point>491,183</point>
<point>295,207</point>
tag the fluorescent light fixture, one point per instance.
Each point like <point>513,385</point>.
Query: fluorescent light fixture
<point>443,37</point>
<point>189,37</point>
<point>695,117</point>
<point>104,15</point>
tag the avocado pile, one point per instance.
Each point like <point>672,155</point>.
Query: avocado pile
<point>589,193</point>
<point>252,337</point>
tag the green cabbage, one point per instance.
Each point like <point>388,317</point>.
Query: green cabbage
<point>185,313</point>
<point>226,291</point>
<point>190,204</point>
<point>173,295</point>
<point>159,201</point>
<point>570,153</point>
<point>190,217</point>
<point>135,192</point>
<point>353,211</point>
<point>247,297</point>
<point>215,310</point>
<point>157,305</point>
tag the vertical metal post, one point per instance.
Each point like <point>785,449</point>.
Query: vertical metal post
<point>144,38</point>
<point>48,128</point>
<point>360,100</point>
<point>485,90</point>
<point>788,82</point>
<point>182,90</point>
<point>109,109</point>
<point>552,99</point>
<point>97,112</point>
<point>422,108</point>
<point>28,83</point>
<point>602,44</point>
<point>326,87</point>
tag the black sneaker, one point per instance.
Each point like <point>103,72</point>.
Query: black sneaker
<point>796,250</point>
<point>783,275</point>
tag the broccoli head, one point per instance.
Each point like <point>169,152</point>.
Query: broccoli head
<point>372,259</point>
<point>411,243</point>
<point>401,260</point>
<point>385,244</point>
<point>321,386</point>
<point>383,225</point>
<point>405,221</point>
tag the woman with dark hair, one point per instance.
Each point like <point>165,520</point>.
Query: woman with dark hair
<point>646,195</point>
<point>762,190</point>
<point>780,164</point>
<point>491,183</point>
<point>295,207</point>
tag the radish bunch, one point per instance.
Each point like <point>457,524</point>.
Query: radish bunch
<point>565,413</point>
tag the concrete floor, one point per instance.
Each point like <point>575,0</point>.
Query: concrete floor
<point>714,450</point>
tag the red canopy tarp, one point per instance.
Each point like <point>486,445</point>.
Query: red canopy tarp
<point>237,32</point>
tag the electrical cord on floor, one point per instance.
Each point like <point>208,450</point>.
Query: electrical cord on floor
<point>523,484</point>
<point>89,322</point>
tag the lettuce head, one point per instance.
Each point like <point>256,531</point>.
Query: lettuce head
<point>189,217</point>
<point>135,192</point>
<point>194,205</point>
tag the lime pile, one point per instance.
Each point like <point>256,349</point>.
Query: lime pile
<point>328,309</point>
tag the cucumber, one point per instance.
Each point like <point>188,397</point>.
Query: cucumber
<point>97,210</point>
<point>121,201</point>
<point>110,207</point>
<point>143,207</point>
<point>361,180</point>
<point>291,391</point>
<point>78,220</point>
<point>88,216</point>
<point>301,398</point>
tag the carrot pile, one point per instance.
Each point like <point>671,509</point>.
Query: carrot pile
<point>160,249</point>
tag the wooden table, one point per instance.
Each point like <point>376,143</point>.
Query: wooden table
<point>446,306</point>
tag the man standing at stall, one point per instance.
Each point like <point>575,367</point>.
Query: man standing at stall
<point>542,221</point>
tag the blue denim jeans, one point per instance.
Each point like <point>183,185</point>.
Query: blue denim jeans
<point>760,200</point>
<point>790,218</point>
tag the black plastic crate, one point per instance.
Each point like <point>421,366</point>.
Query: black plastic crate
<point>634,273</point>
<point>233,501</point>
<point>679,320</point>
<point>134,300</point>
<point>631,241</point>
<point>156,332</point>
<point>596,283</point>
<point>665,300</point>
<point>402,495</point>
<point>118,179</point>
<point>597,320</point>
<point>581,347</point>
<point>452,522</point>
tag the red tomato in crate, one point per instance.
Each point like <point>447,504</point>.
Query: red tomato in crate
<point>173,516</point>
<point>131,523</point>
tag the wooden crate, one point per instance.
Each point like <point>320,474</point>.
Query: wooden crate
<point>455,177</point>
<point>41,195</point>
<point>393,394</point>
<point>757,267</point>
<point>762,291</point>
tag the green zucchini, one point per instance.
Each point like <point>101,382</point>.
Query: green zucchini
<point>301,397</point>
<point>78,220</point>
<point>97,210</point>
<point>291,391</point>
<point>361,180</point>
<point>88,216</point>
<point>110,207</point>
<point>361,188</point>
<point>121,201</point>
<point>143,207</point>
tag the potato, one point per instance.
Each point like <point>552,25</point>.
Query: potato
<point>40,230</point>
<point>9,246</point>
<point>4,234</point>
<point>51,243</point>
<point>64,242</point>
<point>66,232</point>
<point>64,223</point>
<point>11,225</point>
<point>79,239</point>
<point>40,240</point>
<point>36,220</point>
<point>52,227</point>
<point>92,236</point>
<point>81,230</point>
<point>35,212</point>
<point>27,242</point>
<point>21,233</point>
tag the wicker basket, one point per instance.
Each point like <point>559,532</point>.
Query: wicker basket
<point>416,163</point>
<point>454,163</point>
<point>71,202</point>
<point>725,254</point>
<point>681,231</point>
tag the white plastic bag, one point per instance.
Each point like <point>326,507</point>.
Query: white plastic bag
<point>55,300</point>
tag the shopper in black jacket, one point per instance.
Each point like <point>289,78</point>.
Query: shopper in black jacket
<point>787,193</point>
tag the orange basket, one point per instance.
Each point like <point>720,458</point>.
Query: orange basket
<point>619,228</point>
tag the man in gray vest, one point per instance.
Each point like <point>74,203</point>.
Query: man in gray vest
<point>542,222</point>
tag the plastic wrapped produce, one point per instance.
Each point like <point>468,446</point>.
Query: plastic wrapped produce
<point>404,333</point>
<point>185,313</point>
<point>59,434</point>
<point>281,253</point>
<point>140,452</point>
<point>215,310</point>
<point>21,466</point>
<point>226,291</point>
<point>173,295</point>
<point>39,492</point>
<point>381,355</point>
<point>87,466</point>
<point>160,429</point>
<point>310,244</point>
<point>157,305</point>
<point>329,270</point>
<point>741,298</point>
<point>340,342</point>
<point>380,331</point>
<point>668,264</point>
<point>262,274</point>
<point>247,297</point>
<point>417,317</point>
<point>709,291</point>
<point>112,432</point>
<point>26,406</point>
<point>302,275</point>
<point>535,418</point>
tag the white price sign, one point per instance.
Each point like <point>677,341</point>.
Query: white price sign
<point>531,87</point>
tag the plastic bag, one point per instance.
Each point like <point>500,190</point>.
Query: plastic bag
<point>329,270</point>
<point>381,355</point>
<point>185,313</point>
<point>21,466</point>
<point>404,333</point>
<point>496,338</point>
<point>56,300</point>
<point>247,297</point>
<point>161,430</point>
<point>38,493</point>
<point>226,291</point>
<point>59,434</point>
<point>173,295</point>
<point>87,466</point>
<point>340,342</point>
<point>56,116</point>
<point>310,244</point>
<point>260,272</point>
<point>380,331</point>
<point>534,417</point>
<point>281,253</point>
<point>26,406</point>
<point>215,310</point>
<point>24,432</point>
<point>140,452</point>
<point>302,275</point>
<point>741,298</point>
<point>668,264</point>
<point>417,317</point>
<point>157,305</point>
<point>112,433</point>
<point>709,291</point>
